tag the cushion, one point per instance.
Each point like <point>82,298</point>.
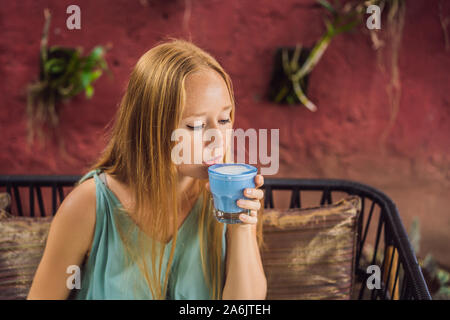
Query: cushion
<point>309,253</point>
<point>5,200</point>
<point>22,243</point>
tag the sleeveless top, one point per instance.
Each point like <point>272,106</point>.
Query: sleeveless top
<point>105,275</point>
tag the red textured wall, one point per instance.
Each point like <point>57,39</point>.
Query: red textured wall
<point>340,140</point>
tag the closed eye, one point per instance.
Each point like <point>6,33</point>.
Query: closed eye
<point>195,127</point>
<point>202,126</point>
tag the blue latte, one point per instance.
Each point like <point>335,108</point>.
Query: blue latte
<point>227,183</point>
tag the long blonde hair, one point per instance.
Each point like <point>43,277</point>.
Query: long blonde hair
<point>139,155</point>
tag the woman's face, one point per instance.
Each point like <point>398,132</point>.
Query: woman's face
<point>204,122</point>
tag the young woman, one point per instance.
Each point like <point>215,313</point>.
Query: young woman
<point>139,226</point>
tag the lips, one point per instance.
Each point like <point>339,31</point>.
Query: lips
<point>213,161</point>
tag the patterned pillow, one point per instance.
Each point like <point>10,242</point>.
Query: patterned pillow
<point>5,200</point>
<point>22,243</point>
<point>309,253</point>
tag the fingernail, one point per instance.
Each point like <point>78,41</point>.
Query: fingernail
<point>244,217</point>
<point>249,191</point>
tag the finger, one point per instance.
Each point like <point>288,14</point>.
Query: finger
<point>259,180</point>
<point>254,193</point>
<point>207,187</point>
<point>249,204</point>
<point>248,219</point>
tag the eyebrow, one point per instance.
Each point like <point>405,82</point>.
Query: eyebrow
<point>202,113</point>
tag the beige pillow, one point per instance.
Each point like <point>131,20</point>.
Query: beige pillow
<point>309,253</point>
<point>22,243</point>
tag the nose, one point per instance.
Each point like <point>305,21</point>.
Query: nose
<point>213,125</point>
<point>211,136</point>
<point>213,139</point>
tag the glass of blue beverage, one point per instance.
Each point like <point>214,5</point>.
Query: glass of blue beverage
<point>227,182</point>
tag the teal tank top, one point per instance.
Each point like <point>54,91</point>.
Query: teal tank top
<point>104,275</point>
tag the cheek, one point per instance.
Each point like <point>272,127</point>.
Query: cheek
<point>222,143</point>
<point>198,145</point>
<point>193,170</point>
<point>215,139</point>
<point>227,134</point>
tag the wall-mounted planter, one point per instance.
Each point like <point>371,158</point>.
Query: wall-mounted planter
<point>64,73</point>
<point>281,88</point>
<point>293,65</point>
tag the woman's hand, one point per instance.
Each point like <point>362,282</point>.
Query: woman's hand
<point>253,205</point>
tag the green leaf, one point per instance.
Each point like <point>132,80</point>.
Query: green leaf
<point>327,6</point>
<point>56,68</point>
<point>95,75</point>
<point>85,79</point>
<point>347,27</point>
<point>89,77</point>
<point>70,70</point>
<point>443,276</point>
<point>302,97</point>
<point>330,27</point>
<point>284,90</point>
<point>89,91</point>
<point>53,65</point>
<point>103,64</point>
<point>94,57</point>
<point>97,53</point>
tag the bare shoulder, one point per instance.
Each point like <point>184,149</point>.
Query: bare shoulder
<point>80,202</point>
<point>77,212</point>
<point>69,239</point>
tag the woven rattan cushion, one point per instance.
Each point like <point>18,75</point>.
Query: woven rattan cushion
<point>309,253</point>
<point>22,242</point>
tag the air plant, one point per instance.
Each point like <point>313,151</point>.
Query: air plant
<point>64,73</point>
<point>341,19</point>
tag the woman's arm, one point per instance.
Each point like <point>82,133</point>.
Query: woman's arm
<point>245,278</point>
<point>69,238</point>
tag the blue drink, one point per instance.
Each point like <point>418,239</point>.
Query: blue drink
<point>227,183</point>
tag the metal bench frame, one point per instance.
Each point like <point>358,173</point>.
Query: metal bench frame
<point>401,276</point>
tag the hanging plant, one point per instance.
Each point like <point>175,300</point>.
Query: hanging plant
<point>64,73</point>
<point>291,86</point>
<point>281,87</point>
<point>297,66</point>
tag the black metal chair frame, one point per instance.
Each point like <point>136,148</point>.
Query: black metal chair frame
<point>408,274</point>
